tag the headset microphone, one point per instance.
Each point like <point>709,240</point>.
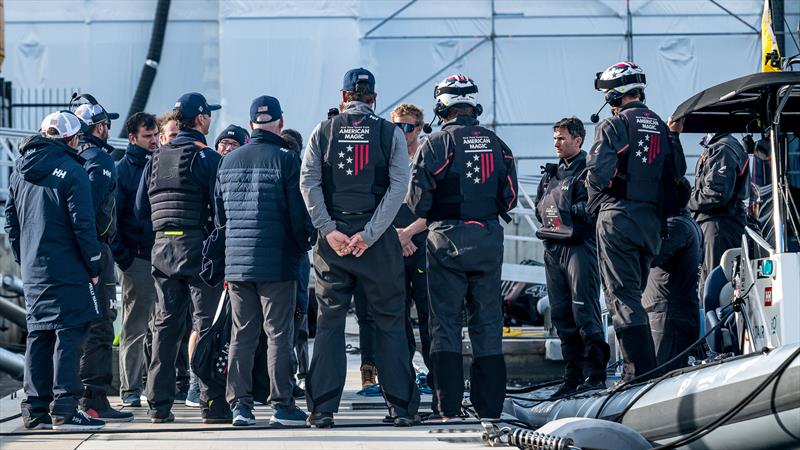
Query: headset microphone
<point>596,117</point>
<point>427,127</point>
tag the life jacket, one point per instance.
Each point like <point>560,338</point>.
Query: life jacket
<point>355,169</point>
<point>177,201</point>
<point>470,188</point>
<point>106,218</point>
<point>555,205</point>
<point>640,163</point>
<point>741,187</point>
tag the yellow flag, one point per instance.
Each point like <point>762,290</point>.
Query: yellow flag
<point>770,55</point>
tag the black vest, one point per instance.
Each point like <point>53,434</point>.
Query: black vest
<point>640,164</point>
<point>355,168</point>
<point>555,205</point>
<point>176,200</point>
<point>470,188</point>
<point>741,188</point>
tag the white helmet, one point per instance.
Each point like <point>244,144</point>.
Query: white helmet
<point>456,89</point>
<point>620,79</point>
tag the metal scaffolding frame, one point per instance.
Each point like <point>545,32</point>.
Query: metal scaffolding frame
<point>492,38</point>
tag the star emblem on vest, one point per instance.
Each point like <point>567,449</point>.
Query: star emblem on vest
<point>650,144</point>
<point>481,166</point>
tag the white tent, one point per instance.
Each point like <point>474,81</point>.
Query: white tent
<point>534,60</point>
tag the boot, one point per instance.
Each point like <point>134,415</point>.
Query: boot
<point>369,375</point>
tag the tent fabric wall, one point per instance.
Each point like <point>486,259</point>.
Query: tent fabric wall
<point>546,53</point>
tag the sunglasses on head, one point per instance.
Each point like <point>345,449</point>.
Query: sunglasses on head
<point>406,127</point>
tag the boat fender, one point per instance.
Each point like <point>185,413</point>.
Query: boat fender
<point>596,434</point>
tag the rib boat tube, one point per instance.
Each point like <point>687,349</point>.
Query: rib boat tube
<point>690,399</point>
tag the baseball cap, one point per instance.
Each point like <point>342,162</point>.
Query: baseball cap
<point>355,76</point>
<point>191,104</point>
<point>65,123</point>
<point>234,132</point>
<point>91,114</point>
<point>265,105</point>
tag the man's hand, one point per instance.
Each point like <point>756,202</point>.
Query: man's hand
<point>339,242</point>
<point>675,126</point>
<point>357,246</point>
<point>405,237</point>
<point>409,249</point>
<point>95,280</point>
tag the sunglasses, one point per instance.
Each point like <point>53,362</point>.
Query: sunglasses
<point>406,127</point>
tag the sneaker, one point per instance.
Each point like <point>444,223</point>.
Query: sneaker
<point>406,421</point>
<point>290,416</point>
<point>99,408</point>
<point>155,418</point>
<point>216,414</point>
<point>42,422</point>
<point>242,416</point>
<point>591,385</point>
<point>369,375</point>
<point>79,421</point>
<point>298,392</point>
<point>320,420</point>
<point>566,388</point>
<point>132,400</point>
<point>193,396</point>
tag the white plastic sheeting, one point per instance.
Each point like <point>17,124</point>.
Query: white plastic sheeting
<point>546,53</point>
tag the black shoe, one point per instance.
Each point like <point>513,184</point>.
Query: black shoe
<point>298,392</point>
<point>160,418</point>
<point>320,420</point>
<point>78,422</point>
<point>216,414</point>
<point>565,389</point>
<point>99,408</point>
<point>591,384</point>
<point>42,422</point>
<point>406,421</point>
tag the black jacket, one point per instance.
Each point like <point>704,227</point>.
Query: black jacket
<point>583,225</point>
<point>721,180</point>
<point>103,177</point>
<point>267,227</point>
<point>134,236</point>
<point>50,224</point>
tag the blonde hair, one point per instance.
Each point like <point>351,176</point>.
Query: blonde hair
<point>407,109</point>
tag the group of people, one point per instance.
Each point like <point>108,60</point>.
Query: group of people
<point>394,221</point>
<point>183,222</point>
<point>624,217</point>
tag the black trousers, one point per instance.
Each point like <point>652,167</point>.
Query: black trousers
<point>573,288</point>
<point>464,264</point>
<point>628,239</point>
<point>379,272</point>
<point>95,362</point>
<point>52,384</point>
<point>719,235</point>
<point>175,295</point>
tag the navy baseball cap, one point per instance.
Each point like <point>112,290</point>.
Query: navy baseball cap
<point>355,76</point>
<point>265,106</point>
<point>192,104</point>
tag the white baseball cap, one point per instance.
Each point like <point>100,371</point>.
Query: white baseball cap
<point>65,123</point>
<point>94,113</point>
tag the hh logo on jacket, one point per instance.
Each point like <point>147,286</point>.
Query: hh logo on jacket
<point>60,173</point>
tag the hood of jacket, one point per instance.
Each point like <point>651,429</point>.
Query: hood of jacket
<point>137,155</point>
<point>40,156</point>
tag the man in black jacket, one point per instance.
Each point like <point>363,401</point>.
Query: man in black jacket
<point>96,371</point>
<point>670,298</point>
<point>267,230</point>
<point>721,184</point>
<point>462,178</point>
<point>633,166</point>
<point>570,259</point>
<point>176,193</point>
<point>60,264</point>
<point>132,248</point>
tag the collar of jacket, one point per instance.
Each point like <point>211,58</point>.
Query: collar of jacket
<point>88,141</point>
<point>188,136</point>
<point>267,137</point>
<point>633,104</point>
<point>461,120</point>
<point>137,155</point>
<point>567,163</point>
<point>356,107</point>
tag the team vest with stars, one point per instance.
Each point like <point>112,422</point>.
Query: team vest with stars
<point>640,163</point>
<point>355,172</point>
<point>468,185</point>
